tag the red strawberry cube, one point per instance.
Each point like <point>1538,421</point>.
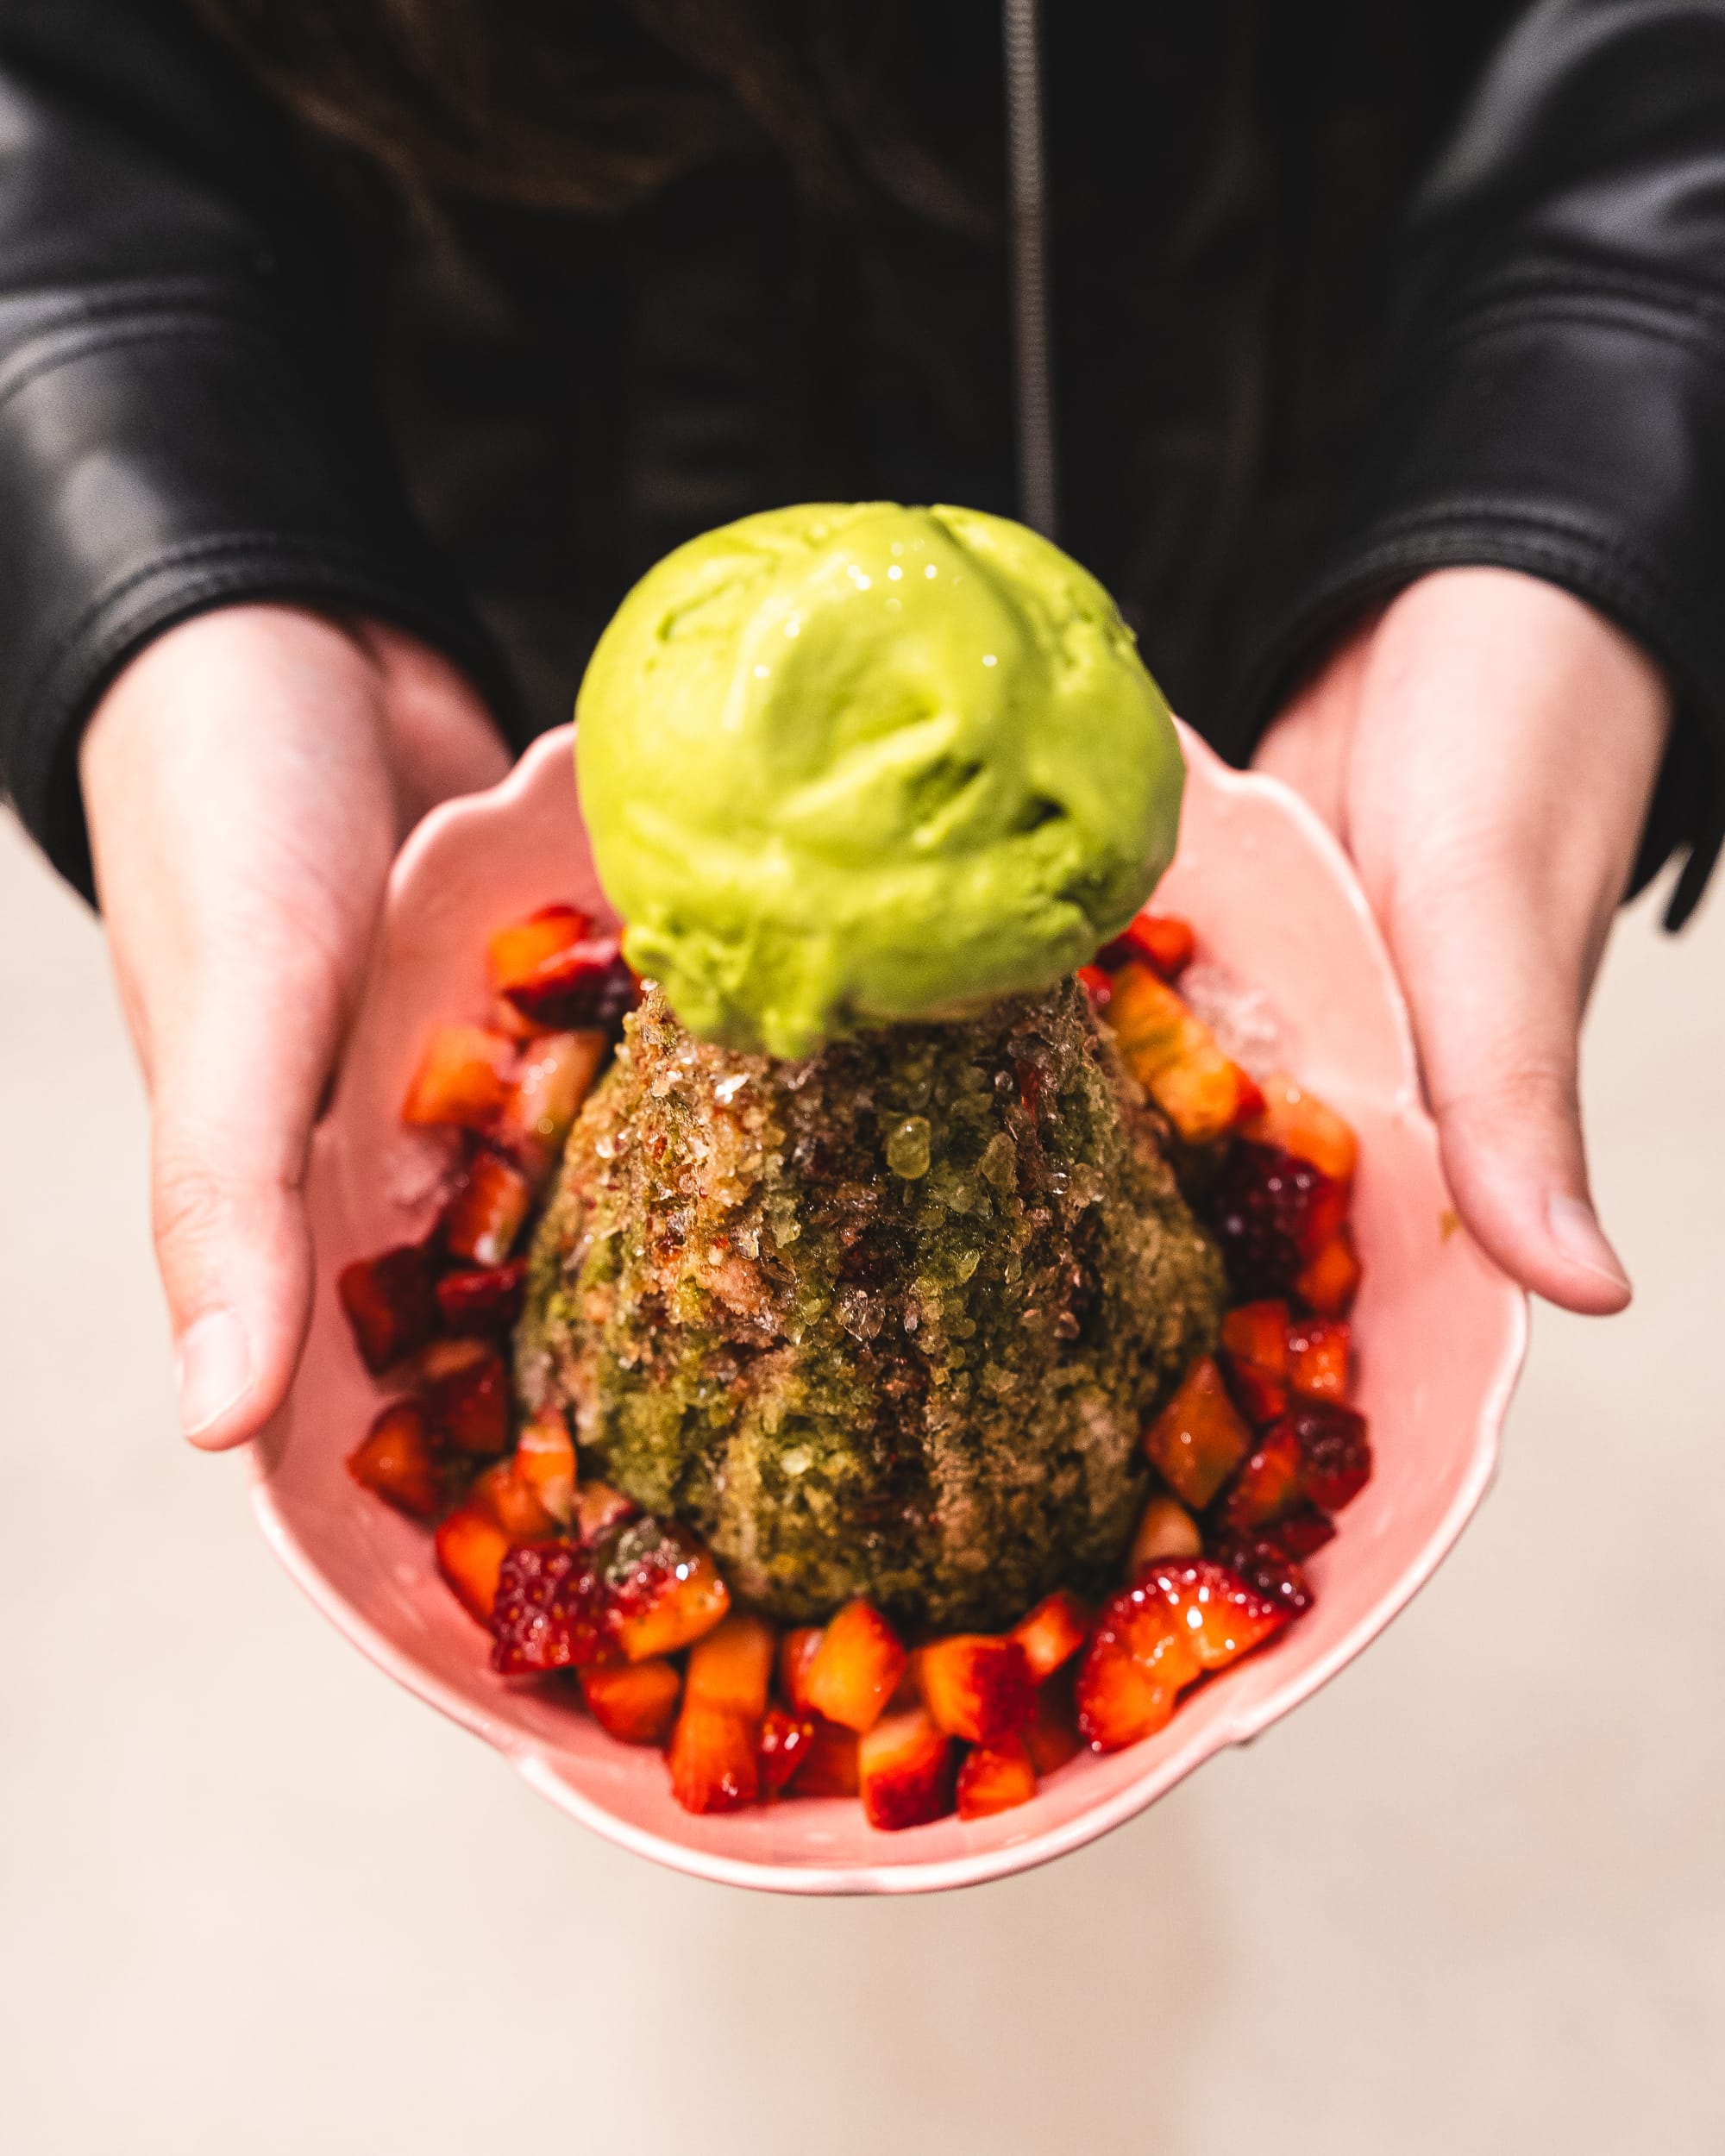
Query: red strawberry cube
<point>508,1499</point>
<point>856,1668</point>
<point>1198,1439</point>
<point>1166,1530</point>
<point>1270,1486</point>
<point>995,1778</point>
<point>470,1549</point>
<point>545,1461</point>
<point>905,1771</point>
<point>555,1074</point>
<point>549,1612</point>
<point>1335,1456</point>
<point>1267,1567</point>
<point>1255,1349</point>
<point>464,1078</point>
<point>1329,1284</point>
<point>1319,1358</point>
<point>797,1650</point>
<point>731,1666</point>
<point>390,1303</point>
<point>515,952</point>
<point>977,1687</point>
<point>599,1508</point>
<point>783,1749</point>
<point>469,1407</point>
<point>397,1461</point>
<point>1132,1672</point>
<point>1052,1632</point>
<point>665,1590</point>
<point>633,1702</point>
<point>1163,941</point>
<point>712,1759</point>
<point>829,1766</point>
<point>1302,1531</point>
<point>1175,1058</point>
<point>1052,1738</point>
<point>488,1298</point>
<point>586,988</point>
<point>1295,1121</point>
<point>485,1214</point>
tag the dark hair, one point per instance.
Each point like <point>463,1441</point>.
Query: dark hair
<point>590,104</point>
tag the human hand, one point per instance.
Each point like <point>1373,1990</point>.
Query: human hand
<point>1485,748</point>
<point>247,780</point>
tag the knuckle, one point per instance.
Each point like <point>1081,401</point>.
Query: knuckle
<point>1523,1089</point>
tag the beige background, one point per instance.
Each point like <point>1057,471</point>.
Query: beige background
<point>255,1899</point>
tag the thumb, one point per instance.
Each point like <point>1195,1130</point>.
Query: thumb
<point>1496,1010</point>
<point>236,1087</point>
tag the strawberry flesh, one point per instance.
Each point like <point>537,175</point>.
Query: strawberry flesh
<point>977,1687</point>
<point>634,1701</point>
<point>829,1766</point>
<point>485,1214</point>
<point>856,1668</point>
<point>469,1408</point>
<point>1329,1284</point>
<point>486,1299</point>
<point>995,1778</point>
<point>664,1589</point>
<point>1052,1738</point>
<point>1334,1454</point>
<point>783,1749</point>
<point>1270,1486</point>
<point>1161,940</point>
<point>515,952</point>
<point>390,1303</point>
<point>586,988</point>
<point>470,1549</point>
<point>1198,1439</point>
<point>1269,1569</point>
<point>1052,1632</point>
<point>464,1078</point>
<point>1319,1355</point>
<point>712,1759</point>
<point>397,1461</point>
<point>905,1768</point>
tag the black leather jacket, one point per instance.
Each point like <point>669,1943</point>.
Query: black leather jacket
<point>1344,290</point>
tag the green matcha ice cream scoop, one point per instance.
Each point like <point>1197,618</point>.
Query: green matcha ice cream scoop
<point>848,765</point>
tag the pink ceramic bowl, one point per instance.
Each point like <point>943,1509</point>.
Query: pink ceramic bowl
<point>1440,1329</point>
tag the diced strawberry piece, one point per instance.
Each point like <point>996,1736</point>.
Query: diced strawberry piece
<point>783,1749</point>
<point>634,1701</point>
<point>995,1778</point>
<point>977,1687</point>
<point>904,1766</point>
<point>1132,1672</point>
<point>1198,1439</point>
<point>470,1549</point>
<point>1219,1616</point>
<point>1335,1456</point>
<point>485,1216</point>
<point>486,1300</point>
<point>713,1765</point>
<point>829,1766</point>
<point>1270,1484</point>
<point>549,1612</point>
<point>585,987</point>
<point>1302,1532</point>
<point>599,1508</point>
<point>505,1496</point>
<point>390,1303</point>
<point>505,1019</point>
<point>1174,1057</point>
<point>545,1461</point>
<point>1319,1350</point>
<point>1166,1530</point>
<point>469,1407</point>
<point>555,1074</point>
<point>1329,1284</point>
<point>514,952</point>
<point>1297,1122</point>
<point>464,1078</point>
<point>856,1668</point>
<point>797,1650</point>
<point>665,1590</point>
<point>1052,1738</point>
<point>440,1359</point>
<point>1161,940</point>
<point>396,1461</point>
<point>731,1666</point>
<point>1052,1631</point>
<point>1272,1214</point>
<point>1255,1346</point>
<point>1269,1569</point>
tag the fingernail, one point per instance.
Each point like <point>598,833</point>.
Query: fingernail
<point>212,1366</point>
<point>1577,1234</point>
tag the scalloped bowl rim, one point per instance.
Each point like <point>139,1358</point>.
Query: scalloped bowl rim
<point>1172,1762</point>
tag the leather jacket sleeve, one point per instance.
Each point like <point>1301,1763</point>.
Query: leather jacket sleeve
<point>176,429</point>
<point>1555,399</point>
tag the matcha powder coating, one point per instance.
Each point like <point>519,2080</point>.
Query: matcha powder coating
<point>885,1320</point>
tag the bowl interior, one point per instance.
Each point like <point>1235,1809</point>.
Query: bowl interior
<point>1440,1332</point>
